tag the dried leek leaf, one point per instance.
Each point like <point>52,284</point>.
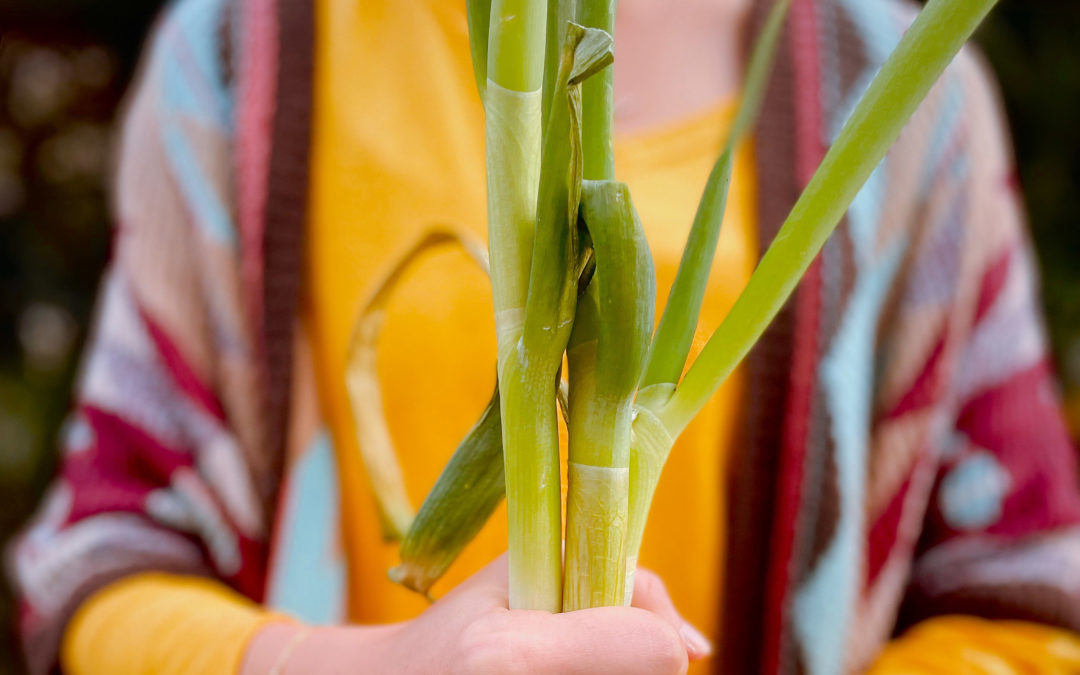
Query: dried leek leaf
<point>365,392</point>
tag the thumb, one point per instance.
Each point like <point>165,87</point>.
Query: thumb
<point>651,594</point>
<point>601,641</point>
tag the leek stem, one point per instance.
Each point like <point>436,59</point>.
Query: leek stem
<point>513,103</point>
<point>560,14</point>
<point>650,446</point>
<point>599,429</point>
<point>598,100</point>
<point>606,354</point>
<point>512,107</point>
<point>533,488</point>
<point>598,473</point>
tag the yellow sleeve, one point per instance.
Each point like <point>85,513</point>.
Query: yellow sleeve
<point>962,645</point>
<point>161,624</point>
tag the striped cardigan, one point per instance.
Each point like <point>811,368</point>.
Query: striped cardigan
<point>902,455</point>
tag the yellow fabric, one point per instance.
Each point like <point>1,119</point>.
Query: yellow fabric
<point>961,645</point>
<point>399,146</point>
<point>161,624</point>
<point>158,624</point>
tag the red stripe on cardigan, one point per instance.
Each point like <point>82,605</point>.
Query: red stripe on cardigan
<point>883,532</point>
<point>257,89</point>
<point>925,391</point>
<point>181,373</point>
<point>993,281</point>
<point>1010,420</point>
<point>121,465</point>
<point>809,150</point>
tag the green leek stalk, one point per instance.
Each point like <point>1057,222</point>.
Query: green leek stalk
<point>606,352</point>
<point>532,343</point>
<point>556,268</point>
<point>557,262</point>
<point>512,104</point>
<point>652,440</point>
<point>601,391</point>
<point>598,100</point>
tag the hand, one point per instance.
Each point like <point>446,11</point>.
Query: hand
<point>471,632</point>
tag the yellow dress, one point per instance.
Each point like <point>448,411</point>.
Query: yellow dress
<point>399,146</point>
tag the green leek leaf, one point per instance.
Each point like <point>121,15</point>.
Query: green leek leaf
<point>479,18</point>
<point>625,284</point>
<point>903,81</point>
<point>462,500</point>
<point>679,321</point>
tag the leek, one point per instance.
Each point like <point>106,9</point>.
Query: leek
<point>571,274</point>
<point>606,352</point>
<point>513,107</point>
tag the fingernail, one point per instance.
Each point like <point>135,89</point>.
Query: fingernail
<point>696,643</point>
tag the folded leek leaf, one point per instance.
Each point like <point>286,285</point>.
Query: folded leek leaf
<point>463,498</point>
<point>557,254</point>
<point>606,354</point>
<point>365,393</point>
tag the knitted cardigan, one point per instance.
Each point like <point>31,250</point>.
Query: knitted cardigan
<point>903,452</point>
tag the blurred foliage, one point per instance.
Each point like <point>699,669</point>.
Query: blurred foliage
<point>63,68</point>
<point>64,65</point>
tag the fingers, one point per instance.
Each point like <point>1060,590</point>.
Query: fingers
<point>602,641</point>
<point>650,594</point>
<point>650,638</point>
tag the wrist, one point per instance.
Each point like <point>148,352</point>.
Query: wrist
<point>287,648</point>
<point>271,647</point>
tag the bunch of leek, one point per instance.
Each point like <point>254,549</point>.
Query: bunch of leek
<point>572,276</point>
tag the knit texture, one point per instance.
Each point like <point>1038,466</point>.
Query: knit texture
<point>906,448</point>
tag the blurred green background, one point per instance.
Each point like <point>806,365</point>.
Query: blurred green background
<point>64,65</point>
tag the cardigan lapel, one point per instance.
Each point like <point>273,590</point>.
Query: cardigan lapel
<point>752,476</point>
<point>780,482</point>
<point>273,148</point>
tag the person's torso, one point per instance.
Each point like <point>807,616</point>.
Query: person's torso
<point>398,148</point>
